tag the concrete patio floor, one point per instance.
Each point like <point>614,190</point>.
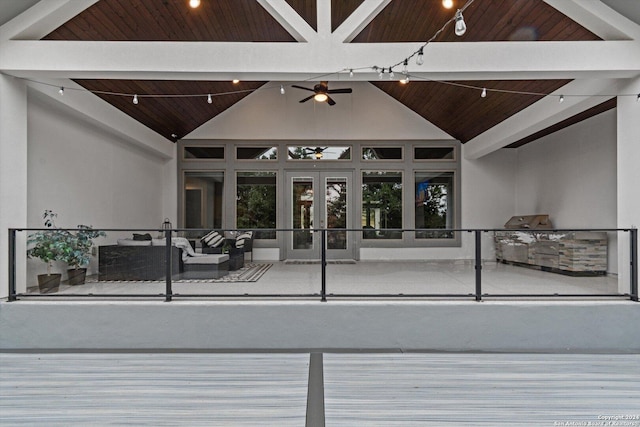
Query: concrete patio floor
<point>368,278</point>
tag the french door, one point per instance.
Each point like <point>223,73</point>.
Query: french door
<point>315,201</point>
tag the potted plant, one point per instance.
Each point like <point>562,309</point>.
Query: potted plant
<point>48,245</point>
<point>55,244</point>
<point>77,252</point>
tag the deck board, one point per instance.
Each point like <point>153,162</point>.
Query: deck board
<point>416,389</point>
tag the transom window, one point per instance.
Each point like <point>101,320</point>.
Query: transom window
<point>319,153</point>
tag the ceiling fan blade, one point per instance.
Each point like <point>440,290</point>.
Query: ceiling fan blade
<point>303,88</point>
<point>330,101</point>
<point>306,99</point>
<point>346,90</point>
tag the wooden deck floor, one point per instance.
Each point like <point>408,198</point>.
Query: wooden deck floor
<point>208,389</point>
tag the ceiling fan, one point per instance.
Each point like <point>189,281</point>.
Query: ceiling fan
<point>322,92</point>
<point>317,152</point>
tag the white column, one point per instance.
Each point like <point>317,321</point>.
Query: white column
<point>13,175</point>
<point>628,126</point>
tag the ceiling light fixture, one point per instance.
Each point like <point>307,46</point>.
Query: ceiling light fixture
<point>235,81</point>
<point>61,91</point>
<point>405,64</point>
<point>447,4</point>
<point>561,99</point>
<point>209,100</point>
<point>135,99</point>
<point>320,97</point>
<point>380,74</point>
<point>194,3</point>
<point>404,80</point>
<point>638,98</point>
<point>391,75</point>
<point>461,27</point>
<point>351,73</point>
<point>281,90</point>
<point>484,92</point>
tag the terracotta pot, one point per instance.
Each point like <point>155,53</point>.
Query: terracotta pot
<point>76,276</point>
<point>49,282</point>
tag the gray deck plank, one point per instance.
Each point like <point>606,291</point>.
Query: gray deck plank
<point>416,389</point>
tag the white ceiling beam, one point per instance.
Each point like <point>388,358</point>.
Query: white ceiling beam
<point>42,18</point>
<point>598,18</point>
<point>286,16</point>
<point>303,61</point>
<point>94,110</point>
<point>359,19</point>
<point>539,116</point>
<point>323,18</point>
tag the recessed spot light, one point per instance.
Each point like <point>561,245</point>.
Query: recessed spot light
<point>447,4</point>
<point>194,3</point>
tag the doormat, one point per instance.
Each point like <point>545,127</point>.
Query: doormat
<point>317,261</point>
<point>251,272</point>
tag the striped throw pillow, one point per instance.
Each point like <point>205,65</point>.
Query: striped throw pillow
<point>212,239</point>
<point>242,237</point>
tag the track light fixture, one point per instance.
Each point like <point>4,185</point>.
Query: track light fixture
<point>209,100</point>
<point>461,27</point>
<point>135,99</point>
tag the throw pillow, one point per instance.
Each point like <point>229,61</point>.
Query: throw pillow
<point>137,236</point>
<point>213,239</point>
<point>242,237</point>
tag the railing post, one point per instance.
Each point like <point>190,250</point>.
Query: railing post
<point>323,262</point>
<point>633,255</point>
<point>478,264</point>
<point>168,267</point>
<point>12,264</point>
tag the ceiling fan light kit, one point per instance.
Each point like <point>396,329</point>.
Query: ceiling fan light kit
<point>321,92</point>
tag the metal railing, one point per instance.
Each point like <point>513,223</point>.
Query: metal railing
<point>477,294</point>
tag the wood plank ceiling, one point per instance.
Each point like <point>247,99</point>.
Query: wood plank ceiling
<point>459,111</point>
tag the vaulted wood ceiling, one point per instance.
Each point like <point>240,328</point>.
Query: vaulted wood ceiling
<point>457,110</point>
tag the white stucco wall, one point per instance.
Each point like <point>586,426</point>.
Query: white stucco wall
<point>368,113</point>
<point>571,176</point>
<point>88,176</point>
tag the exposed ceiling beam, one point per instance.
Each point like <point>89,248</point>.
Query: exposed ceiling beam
<point>360,18</point>
<point>302,61</point>
<point>289,19</point>
<point>42,18</point>
<point>544,113</point>
<point>598,18</point>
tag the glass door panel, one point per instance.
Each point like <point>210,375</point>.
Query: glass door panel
<point>302,212</point>
<point>317,201</point>
<point>335,207</point>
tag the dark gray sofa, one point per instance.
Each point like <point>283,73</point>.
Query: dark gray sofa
<point>118,262</point>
